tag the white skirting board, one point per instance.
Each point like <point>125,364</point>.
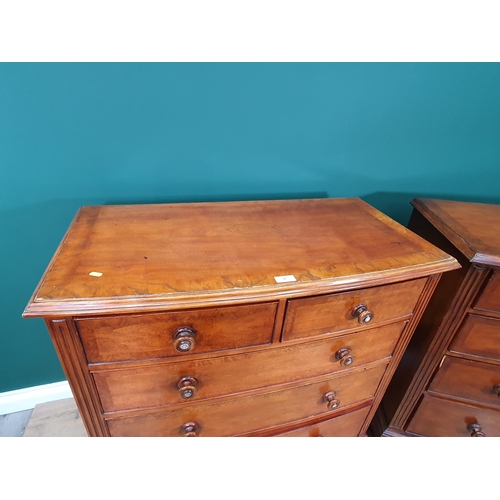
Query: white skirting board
<point>26,399</point>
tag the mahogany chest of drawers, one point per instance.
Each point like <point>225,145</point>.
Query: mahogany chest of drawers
<point>448,382</point>
<point>265,318</point>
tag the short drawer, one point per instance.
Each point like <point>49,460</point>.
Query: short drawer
<point>478,382</point>
<point>347,425</point>
<point>333,313</point>
<point>187,380</point>
<point>442,418</point>
<point>479,336</point>
<point>130,337</point>
<point>489,300</point>
<point>246,414</point>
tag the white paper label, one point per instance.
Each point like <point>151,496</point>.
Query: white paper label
<point>284,279</point>
<point>96,274</point>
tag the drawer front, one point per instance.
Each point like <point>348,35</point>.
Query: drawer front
<point>347,425</point>
<point>247,414</point>
<point>479,336</point>
<point>490,298</point>
<point>478,382</point>
<point>130,337</point>
<point>167,383</point>
<point>443,418</point>
<point>334,313</point>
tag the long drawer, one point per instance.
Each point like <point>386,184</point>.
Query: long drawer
<point>472,380</point>
<point>306,317</point>
<point>347,425</point>
<point>250,413</point>
<point>440,417</point>
<point>130,337</point>
<point>192,380</point>
<point>478,336</point>
<point>489,300</point>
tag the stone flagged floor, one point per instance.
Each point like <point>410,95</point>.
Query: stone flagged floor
<point>54,419</point>
<point>14,424</point>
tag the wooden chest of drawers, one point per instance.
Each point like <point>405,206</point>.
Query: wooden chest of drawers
<point>448,383</point>
<point>266,318</point>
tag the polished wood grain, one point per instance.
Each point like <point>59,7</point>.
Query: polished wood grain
<point>466,379</point>
<point>157,384</point>
<point>467,225</point>
<point>489,300</point>
<point>450,368</point>
<point>479,336</point>
<point>250,413</point>
<point>437,417</point>
<point>346,425</point>
<point>180,255</point>
<point>307,317</point>
<point>72,357</point>
<point>234,319</point>
<point>408,381</point>
<point>129,337</point>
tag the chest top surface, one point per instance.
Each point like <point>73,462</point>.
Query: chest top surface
<point>136,257</point>
<point>474,228</point>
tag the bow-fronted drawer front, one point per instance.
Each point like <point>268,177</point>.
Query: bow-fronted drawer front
<point>251,413</point>
<point>190,380</point>
<point>176,333</point>
<point>444,418</point>
<point>339,312</point>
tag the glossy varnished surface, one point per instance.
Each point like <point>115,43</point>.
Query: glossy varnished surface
<point>342,426</point>
<point>251,413</point>
<point>448,379</point>
<point>123,388</point>
<point>308,317</point>
<point>172,320</point>
<point>490,298</point>
<point>204,253</point>
<point>478,336</point>
<point>469,226</point>
<point>469,380</point>
<point>437,417</point>
<point>130,337</point>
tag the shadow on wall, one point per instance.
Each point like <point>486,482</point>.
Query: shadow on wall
<point>215,198</point>
<point>398,207</point>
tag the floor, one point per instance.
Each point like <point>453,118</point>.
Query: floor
<point>54,419</point>
<point>14,424</point>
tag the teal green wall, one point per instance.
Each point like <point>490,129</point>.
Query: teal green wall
<point>87,134</point>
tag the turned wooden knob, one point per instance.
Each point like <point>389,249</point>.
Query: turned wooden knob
<point>344,355</point>
<point>496,390</point>
<point>184,339</point>
<point>476,430</point>
<point>187,387</point>
<point>190,429</point>
<point>363,314</point>
<point>331,402</point>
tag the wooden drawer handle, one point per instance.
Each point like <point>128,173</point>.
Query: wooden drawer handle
<point>475,430</point>
<point>190,429</point>
<point>184,339</point>
<point>187,387</point>
<point>363,314</point>
<point>332,402</point>
<point>344,356</point>
<point>496,390</point>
